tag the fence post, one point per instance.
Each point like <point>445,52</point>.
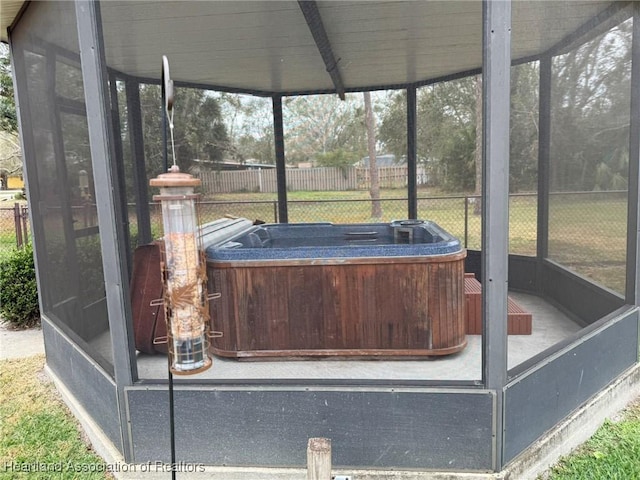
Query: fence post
<point>466,221</point>
<point>18,224</point>
<point>25,224</point>
<point>319,459</point>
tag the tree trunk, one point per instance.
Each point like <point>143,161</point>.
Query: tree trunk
<point>374,191</point>
<point>477,206</point>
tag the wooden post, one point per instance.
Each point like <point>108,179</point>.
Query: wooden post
<point>319,459</point>
<point>25,224</point>
<point>18,224</point>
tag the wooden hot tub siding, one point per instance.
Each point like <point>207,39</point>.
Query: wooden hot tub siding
<point>384,306</point>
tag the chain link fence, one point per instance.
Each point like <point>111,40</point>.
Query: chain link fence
<point>588,234</point>
<point>587,230</point>
<point>14,228</point>
<point>459,215</point>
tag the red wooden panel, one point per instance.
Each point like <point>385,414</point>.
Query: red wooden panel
<point>519,322</point>
<point>376,307</point>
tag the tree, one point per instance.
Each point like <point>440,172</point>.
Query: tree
<point>319,124</point>
<point>339,158</point>
<point>261,148</point>
<point>477,156</point>
<point>8,116</point>
<point>374,191</point>
<point>523,127</point>
<point>249,123</point>
<point>204,133</point>
<point>10,151</point>
<point>590,113</point>
<point>449,111</point>
<point>392,131</point>
<point>199,132</point>
<point>445,131</point>
<point>449,129</point>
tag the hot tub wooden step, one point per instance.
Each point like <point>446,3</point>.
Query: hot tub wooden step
<point>519,322</point>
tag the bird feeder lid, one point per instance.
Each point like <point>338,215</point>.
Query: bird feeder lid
<point>175,178</point>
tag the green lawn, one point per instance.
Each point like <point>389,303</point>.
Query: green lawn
<point>38,432</point>
<point>587,232</point>
<point>39,438</point>
<point>7,243</point>
<point>7,228</point>
<point>613,453</point>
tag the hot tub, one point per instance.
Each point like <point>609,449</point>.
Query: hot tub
<point>319,289</point>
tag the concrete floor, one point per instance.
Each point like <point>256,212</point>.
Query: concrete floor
<point>20,343</point>
<point>549,327</point>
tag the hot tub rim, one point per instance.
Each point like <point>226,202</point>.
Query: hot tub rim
<point>360,260</point>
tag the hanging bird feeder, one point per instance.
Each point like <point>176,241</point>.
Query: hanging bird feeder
<point>184,268</point>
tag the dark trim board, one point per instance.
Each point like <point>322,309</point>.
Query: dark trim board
<point>583,301</point>
<point>578,297</point>
<point>473,264</point>
<point>540,398</point>
<point>85,379</point>
<point>522,274</point>
<point>381,428</point>
<point>522,270</point>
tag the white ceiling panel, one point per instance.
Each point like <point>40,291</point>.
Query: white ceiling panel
<point>268,46</point>
<point>252,45</point>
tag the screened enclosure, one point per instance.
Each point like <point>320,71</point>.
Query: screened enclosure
<point>510,125</point>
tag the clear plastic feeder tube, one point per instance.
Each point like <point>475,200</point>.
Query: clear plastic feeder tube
<point>184,297</point>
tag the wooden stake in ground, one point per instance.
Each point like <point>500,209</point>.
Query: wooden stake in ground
<point>319,459</point>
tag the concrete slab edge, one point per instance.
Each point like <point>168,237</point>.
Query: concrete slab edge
<point>577,428</point>
<point>560,441</point>
<point>99,441</point>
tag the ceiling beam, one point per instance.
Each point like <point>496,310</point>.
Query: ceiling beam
<point>312,16</point>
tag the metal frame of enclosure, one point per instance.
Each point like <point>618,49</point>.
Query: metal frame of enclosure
<point>378,424</point>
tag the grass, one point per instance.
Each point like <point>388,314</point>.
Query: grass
<point>307,195</point>
<point>37,432</point>
<point>7,228</point>
<point>587,232</point>
<point>612,453</point>
<point>7,244</point>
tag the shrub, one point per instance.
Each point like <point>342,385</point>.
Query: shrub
<point>18,289</point>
